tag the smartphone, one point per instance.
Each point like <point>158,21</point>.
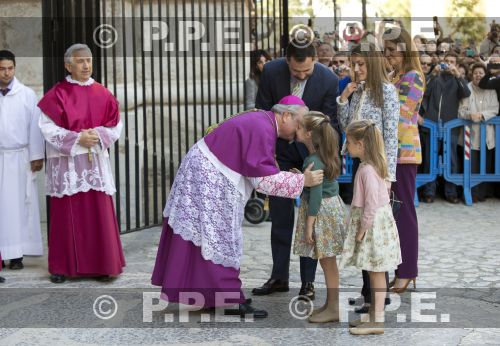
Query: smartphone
<point>495,66</point>
<point>436,30</point>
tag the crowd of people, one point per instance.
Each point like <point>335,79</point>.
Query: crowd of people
<point>448,66</point>
<point>395,89</point>
<point>285,145</point>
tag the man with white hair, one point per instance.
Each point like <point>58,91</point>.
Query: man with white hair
<point>198,260</point>
<point>80,121</point>
<point>21,156</point>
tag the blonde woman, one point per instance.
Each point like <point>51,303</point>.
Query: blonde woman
<point>409,80</point>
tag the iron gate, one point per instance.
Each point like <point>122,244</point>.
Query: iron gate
<point>167,96</point>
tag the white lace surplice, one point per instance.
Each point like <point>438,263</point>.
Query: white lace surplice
<point>69,169</point>
<point>207,202</point>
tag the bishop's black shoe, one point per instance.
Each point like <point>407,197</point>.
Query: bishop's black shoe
<point>271,286</point>
<point>244,310</point>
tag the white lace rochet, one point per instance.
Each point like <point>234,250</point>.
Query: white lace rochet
<point>207,208</point>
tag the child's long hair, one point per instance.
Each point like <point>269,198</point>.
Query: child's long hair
<point>370,135</point>
<point>325,141</point>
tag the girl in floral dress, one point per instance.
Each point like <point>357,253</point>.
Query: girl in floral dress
<point>372,242</point>
<point>320,229</point>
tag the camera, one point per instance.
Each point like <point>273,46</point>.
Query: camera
<point>444,66</point>
<point>470,53</point>
<point>341,69</point>
<point>495,66</point>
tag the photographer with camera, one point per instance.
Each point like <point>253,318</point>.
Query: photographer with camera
<point>490,41</point>
<point>491,80</point>
<point>444,91</point>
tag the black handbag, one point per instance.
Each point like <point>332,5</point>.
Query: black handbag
<point>395,205</point>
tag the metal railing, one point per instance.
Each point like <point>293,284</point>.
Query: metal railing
<point>441,164</point>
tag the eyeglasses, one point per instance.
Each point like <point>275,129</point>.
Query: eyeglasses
<point>441,52</point>
<point>338,62</point>
<point>426,63</point>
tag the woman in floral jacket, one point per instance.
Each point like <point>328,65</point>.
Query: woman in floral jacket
<point>376,99</point>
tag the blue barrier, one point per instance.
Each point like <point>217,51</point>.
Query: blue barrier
<point>467,179</point>
<point>346,170</point>
<point>434,164</point>
<point>441,164</point>
<point>346,174</point>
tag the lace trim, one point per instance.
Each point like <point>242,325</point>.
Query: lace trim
<point>107,191</point>
<point>74,148</point>
<point>67,176</point>
<point>90,81</point>
<point>204,207</point>
<point>207,253</point>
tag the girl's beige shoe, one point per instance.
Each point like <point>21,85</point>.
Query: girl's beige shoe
<point>373,326</point>
<point>325,316</point>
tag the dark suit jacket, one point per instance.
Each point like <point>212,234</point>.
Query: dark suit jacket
<point>319,95</point>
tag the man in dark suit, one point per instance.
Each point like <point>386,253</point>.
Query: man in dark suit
<point>298,74</point>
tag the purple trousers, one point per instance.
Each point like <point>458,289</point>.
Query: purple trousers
<point>407,223</point>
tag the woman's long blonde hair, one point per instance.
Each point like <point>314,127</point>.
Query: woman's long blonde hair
<point>367,132</point>
<point>411,55</point>
<point>325,141</point>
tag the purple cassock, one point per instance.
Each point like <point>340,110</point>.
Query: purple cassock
<point>198,260</point>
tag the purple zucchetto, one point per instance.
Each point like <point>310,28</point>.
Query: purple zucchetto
<point>291,100</point>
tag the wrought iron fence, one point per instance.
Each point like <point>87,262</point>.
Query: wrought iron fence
<point>168,94</point>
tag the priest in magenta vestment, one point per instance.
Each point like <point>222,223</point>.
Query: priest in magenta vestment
<point>80,121</point>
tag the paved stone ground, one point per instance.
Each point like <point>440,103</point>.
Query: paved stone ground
<point>459,248</point>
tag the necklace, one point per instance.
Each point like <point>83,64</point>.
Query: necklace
<point>395,76</point>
